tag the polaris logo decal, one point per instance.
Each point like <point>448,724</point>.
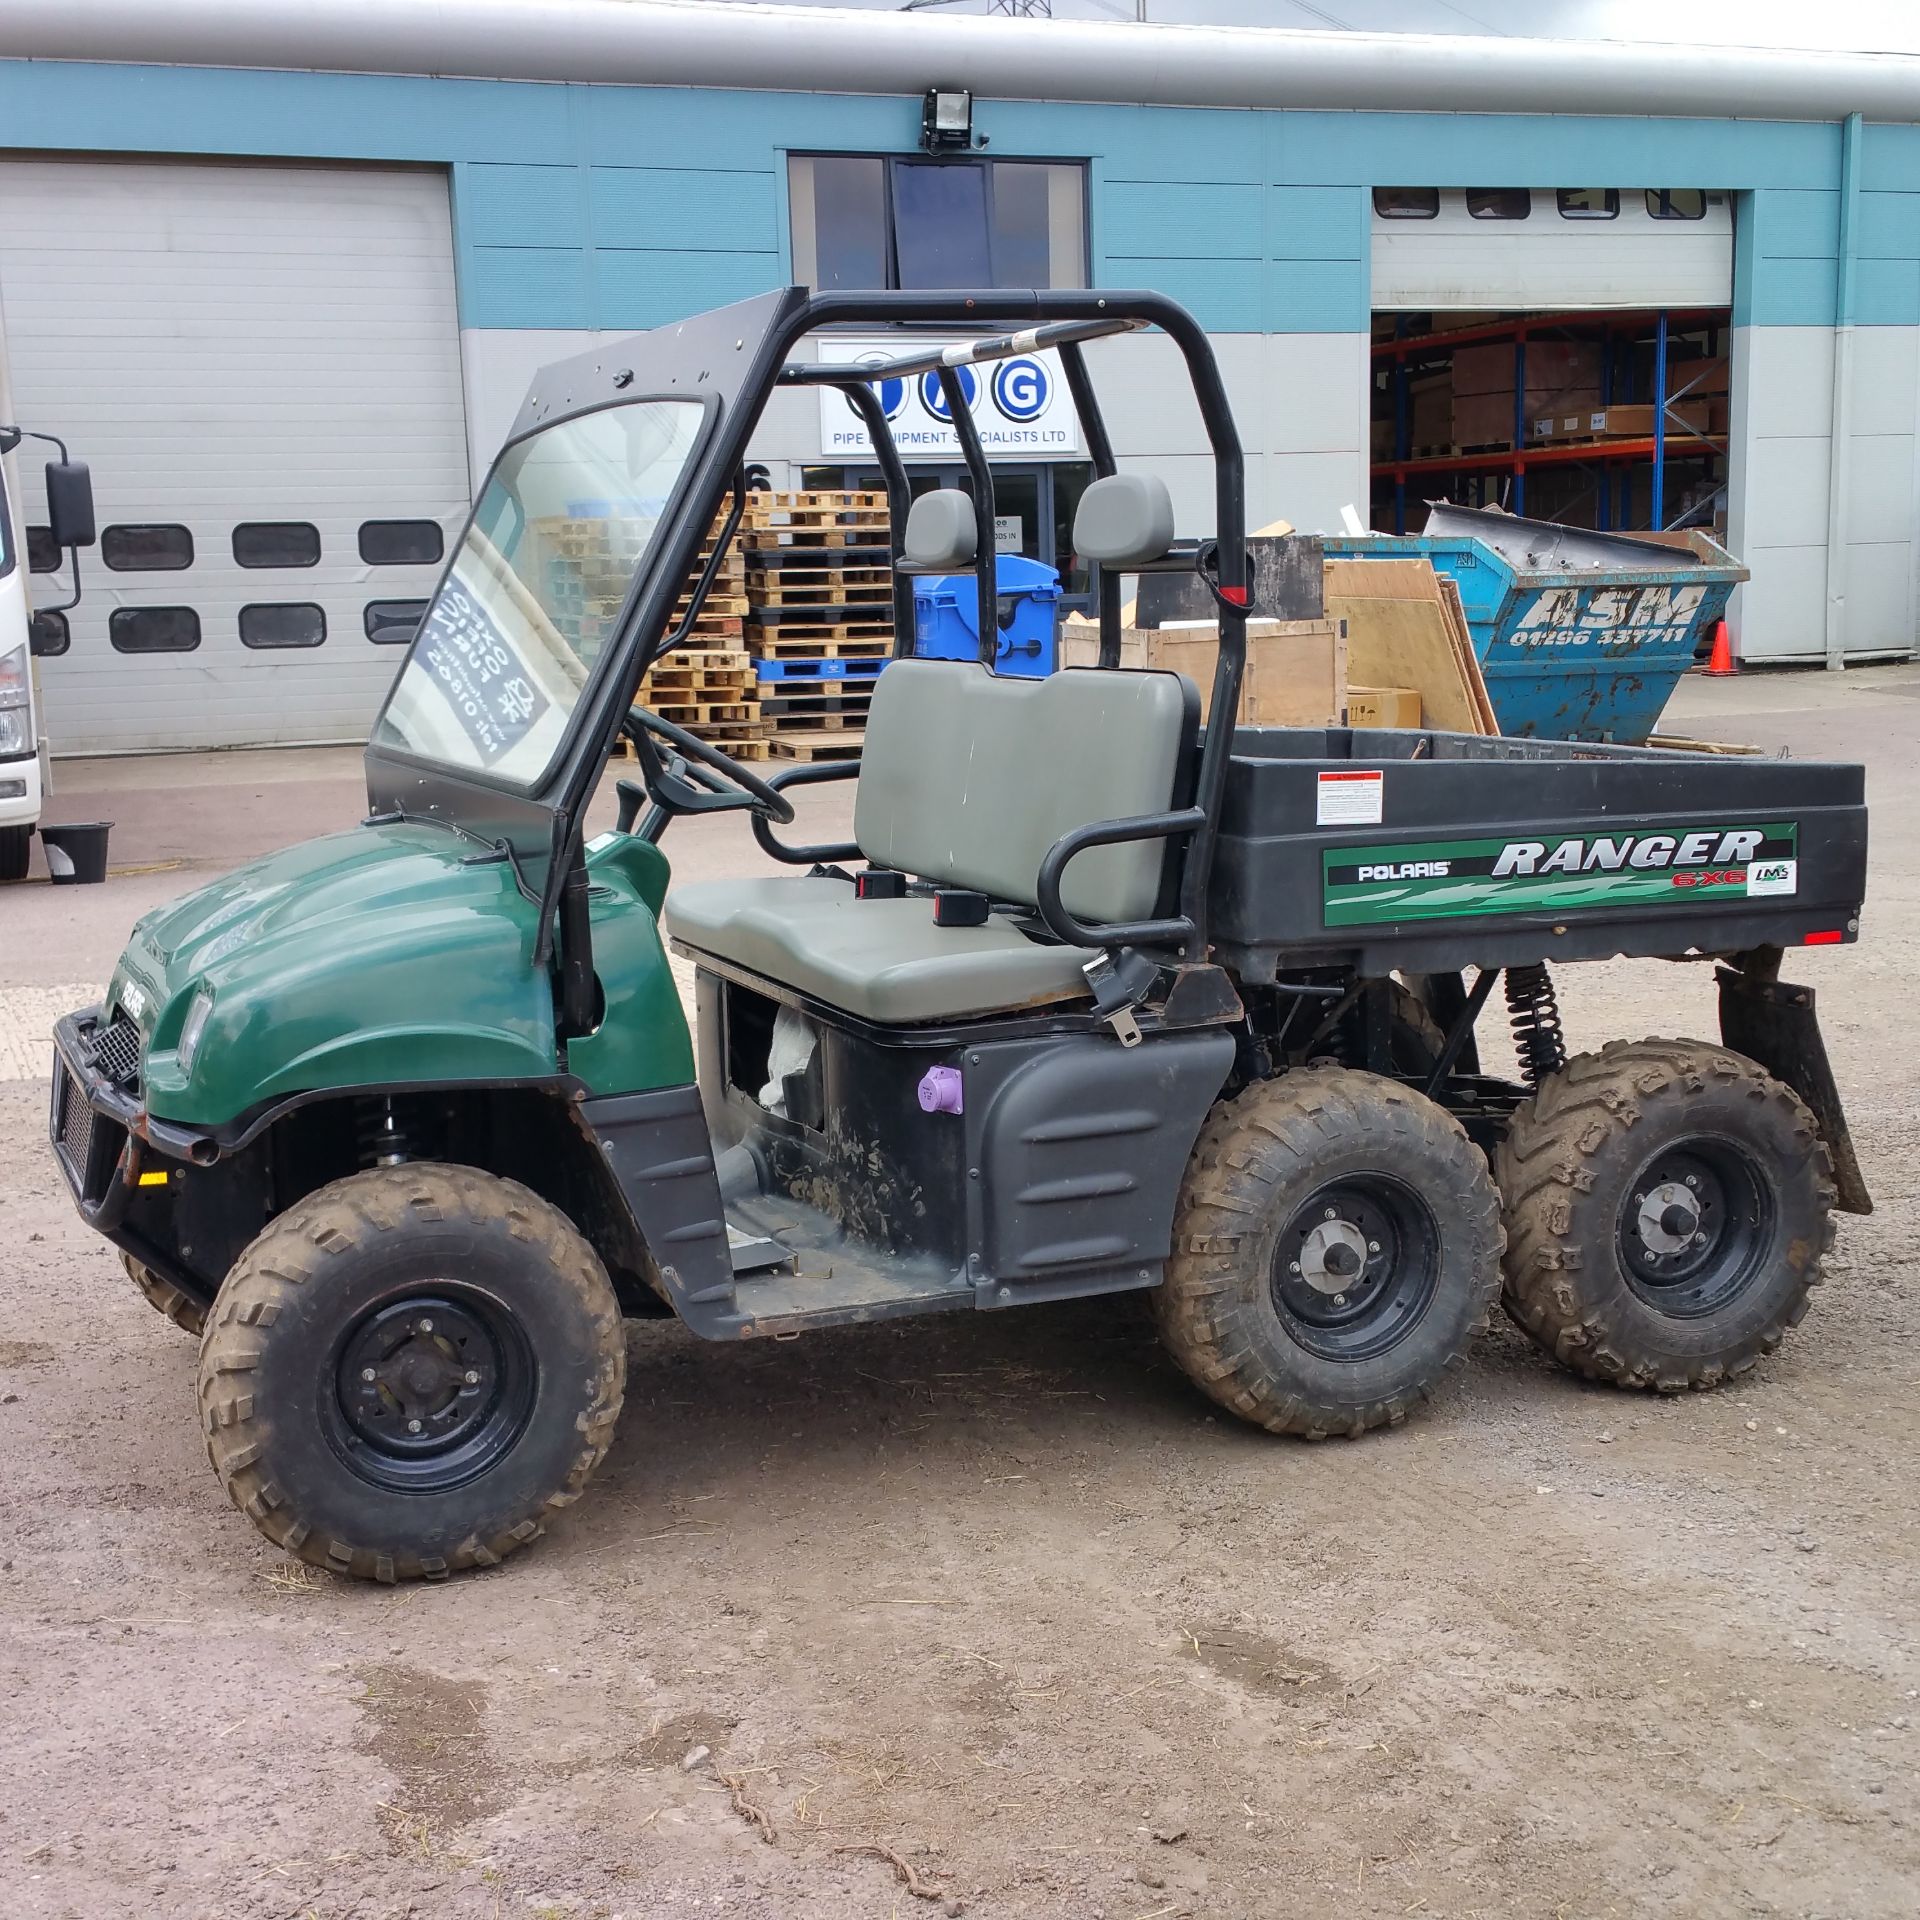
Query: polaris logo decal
<point>1450,879</point>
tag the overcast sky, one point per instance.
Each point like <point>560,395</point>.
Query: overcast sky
<point>1860,26</point>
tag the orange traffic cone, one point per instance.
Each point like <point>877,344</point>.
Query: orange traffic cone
<point>1720,660</point>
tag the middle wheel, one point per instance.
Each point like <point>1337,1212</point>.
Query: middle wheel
<point>1336,1249</point>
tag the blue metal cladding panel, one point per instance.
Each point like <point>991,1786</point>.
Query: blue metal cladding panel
<point>1180,221</point>
<point>1319,223</point>
<point>524,287</point>
<point>513,205</point>
<point>692,209</point>
<point>1316,296</point>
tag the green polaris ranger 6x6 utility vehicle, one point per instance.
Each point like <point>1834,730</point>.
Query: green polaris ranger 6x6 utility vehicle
<point>1096,1000</point>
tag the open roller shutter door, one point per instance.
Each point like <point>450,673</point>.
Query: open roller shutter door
<point>1546,261</point>
<point>259,347</point>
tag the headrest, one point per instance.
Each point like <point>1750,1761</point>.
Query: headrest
<point>1124,520</point>
<point>943,533</point>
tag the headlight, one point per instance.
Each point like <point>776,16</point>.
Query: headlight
<point>13,679</point>
<point>16,732</point>
<point>191,1028</point>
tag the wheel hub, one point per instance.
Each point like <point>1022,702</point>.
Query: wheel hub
<point>420,1381</point>
<point>1356,1267</point>
<point>1693,1226</point>
<point>1668,1216</point>
<point>1333,1256</point>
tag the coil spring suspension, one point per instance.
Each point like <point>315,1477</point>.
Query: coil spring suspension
<point>1534,1014</point>
<point>381,1139</point>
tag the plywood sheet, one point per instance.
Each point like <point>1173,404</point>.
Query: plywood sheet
<point>1401,633</point>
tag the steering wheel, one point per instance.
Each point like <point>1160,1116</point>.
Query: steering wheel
<point>694,776</point>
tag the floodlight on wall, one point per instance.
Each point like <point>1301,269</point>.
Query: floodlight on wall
<point>946,120</point>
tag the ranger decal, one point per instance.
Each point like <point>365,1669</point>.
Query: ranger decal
<point>1450,879</point>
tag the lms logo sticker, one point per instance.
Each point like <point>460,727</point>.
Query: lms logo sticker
<point>1772,877</point>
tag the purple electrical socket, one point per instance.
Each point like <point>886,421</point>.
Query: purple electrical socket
<point>940,1091</point>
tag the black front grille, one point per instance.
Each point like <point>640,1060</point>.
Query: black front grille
<point>75,1125</point>
<point>88,1142</point>
<point>116,1052</point>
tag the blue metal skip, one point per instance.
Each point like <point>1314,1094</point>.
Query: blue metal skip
<point>1580,635</point>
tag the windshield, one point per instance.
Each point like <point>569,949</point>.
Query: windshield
<point>535,590</point>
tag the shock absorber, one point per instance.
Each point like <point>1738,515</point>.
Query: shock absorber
<point>381,1139</point>
<point>1534,1014</point>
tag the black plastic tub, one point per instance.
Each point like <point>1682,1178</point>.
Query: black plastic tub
<point>76,852</point>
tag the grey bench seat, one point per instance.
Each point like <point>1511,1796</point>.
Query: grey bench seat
<point>882,960</point>
<point>966,779</point>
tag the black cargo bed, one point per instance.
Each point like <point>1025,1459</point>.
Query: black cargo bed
<point>1432,851</point>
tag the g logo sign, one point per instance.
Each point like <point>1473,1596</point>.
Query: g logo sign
<point>935,401</point>
<point>1021,389</point>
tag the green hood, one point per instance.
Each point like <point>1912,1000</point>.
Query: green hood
<point>374,957</point>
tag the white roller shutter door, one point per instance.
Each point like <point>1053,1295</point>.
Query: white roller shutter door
<point>239,346</point>
<point>1454,261</point>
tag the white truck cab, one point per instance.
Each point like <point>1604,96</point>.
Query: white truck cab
<point>70,521</point>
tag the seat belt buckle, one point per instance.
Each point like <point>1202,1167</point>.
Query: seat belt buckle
<point>959,907</point>
<point>880,883</point>
<point>1119,982</point>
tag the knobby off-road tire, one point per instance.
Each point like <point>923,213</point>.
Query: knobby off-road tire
<point>1285,1177</point>
<point>409,1370</point>
<point>1668,1204</point>
<point>164,1297</point>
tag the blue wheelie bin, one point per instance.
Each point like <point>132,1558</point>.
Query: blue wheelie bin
<point>1580,635</point>
<point>946,617</point>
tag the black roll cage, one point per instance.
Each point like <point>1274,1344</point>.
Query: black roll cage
<point>1060,319</point>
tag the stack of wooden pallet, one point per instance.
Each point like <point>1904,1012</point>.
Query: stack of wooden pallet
<point>819,616</point>
<point>707,683</point>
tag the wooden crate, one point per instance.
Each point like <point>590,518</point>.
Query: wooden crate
<point>1296,669</point>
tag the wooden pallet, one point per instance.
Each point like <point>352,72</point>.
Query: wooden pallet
<point>797,711</point>
<point>809,536</point>
<point>816,646</point>
<point>809,498</point>
<point>846,592</point>
<point>785,560</point>
<point>817,746</point>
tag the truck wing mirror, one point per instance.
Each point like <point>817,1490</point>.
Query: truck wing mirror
<point>70,503</point>
<point>46,636</point>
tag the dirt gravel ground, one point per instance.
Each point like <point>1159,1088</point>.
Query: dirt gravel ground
<point>993,1615</point>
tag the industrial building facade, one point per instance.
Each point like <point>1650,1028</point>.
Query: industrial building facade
<point>287,316</point>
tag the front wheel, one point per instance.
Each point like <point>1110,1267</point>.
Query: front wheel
<point>1668,1205</point>
<point>16,851</point>
<point>409,1370</point>
<point>1336,1250</point>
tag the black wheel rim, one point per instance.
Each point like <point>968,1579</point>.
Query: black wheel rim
<point>1356,1267</point>
<point>430,1388</point>
<point>1695,1226</point>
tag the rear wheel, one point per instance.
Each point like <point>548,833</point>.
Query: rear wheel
<point>163,1296</point>
<point>1668,1205</point>
<point>16,849</point>
<point>409,1370</point>
<point>1336,1249</point>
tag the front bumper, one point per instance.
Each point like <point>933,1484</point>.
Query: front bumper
<point>101,1133</point>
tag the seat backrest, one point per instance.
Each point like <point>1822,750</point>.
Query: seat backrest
<point>967,778</point>
<point>1124,520</point>
<point>942,533</point>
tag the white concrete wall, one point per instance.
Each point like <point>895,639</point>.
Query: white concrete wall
<point>1780,466</point>
<point>1300,400</point>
